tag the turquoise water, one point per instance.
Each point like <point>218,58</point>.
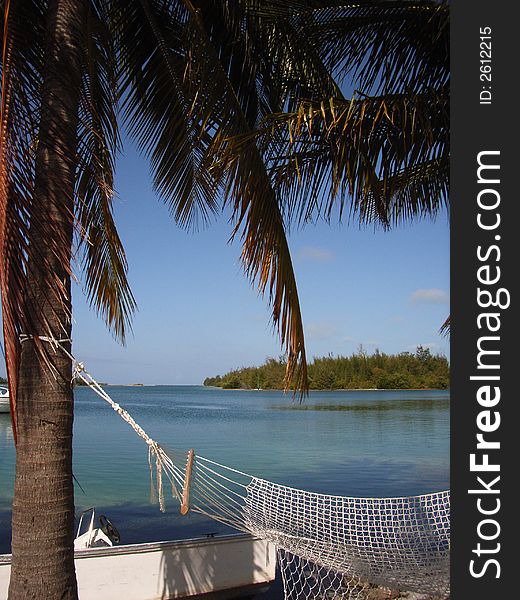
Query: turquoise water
<point>357,443</point>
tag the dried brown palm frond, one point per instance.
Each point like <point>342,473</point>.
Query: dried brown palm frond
<point>102,256</point>
<point>446,327</point>
<point>22,53</point>
<point>256,208</point>
<point>196,75</point>
<point>35,243</point>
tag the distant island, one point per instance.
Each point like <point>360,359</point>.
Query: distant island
<point>406,370</point>
<point>78,382</point>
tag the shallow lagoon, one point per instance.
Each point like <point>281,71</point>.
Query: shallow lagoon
<point>356,443</point>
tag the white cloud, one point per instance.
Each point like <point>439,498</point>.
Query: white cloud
<point>320,331</point>
<point>431,296</point>
<point>351,340</point>
<point>396,319</point>
<point>258,317</point>
<point>315,254</point>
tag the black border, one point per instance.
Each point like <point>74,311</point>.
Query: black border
<point>477,127</point>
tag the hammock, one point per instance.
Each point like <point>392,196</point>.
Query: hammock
<point>329,547</point>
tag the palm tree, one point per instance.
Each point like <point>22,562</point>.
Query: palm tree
<point>185,75</point>
<point>195,82</point>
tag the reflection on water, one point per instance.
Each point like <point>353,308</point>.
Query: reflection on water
<point>356,443</point>
<point>6,433</point>
<point>375,405</point>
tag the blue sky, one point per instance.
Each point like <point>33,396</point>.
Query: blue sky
<point>199,316</point>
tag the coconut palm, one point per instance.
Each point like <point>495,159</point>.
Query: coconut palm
<point>194,82</point>
<point>183,75</point>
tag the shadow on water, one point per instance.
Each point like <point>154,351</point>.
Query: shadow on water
<point>5,531</point>
<point>374,406</point>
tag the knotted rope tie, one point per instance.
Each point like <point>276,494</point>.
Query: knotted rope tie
<point>154,449</point>
<point>56,343</point>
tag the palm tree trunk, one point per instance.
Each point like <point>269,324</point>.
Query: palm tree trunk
<point>43,505</point>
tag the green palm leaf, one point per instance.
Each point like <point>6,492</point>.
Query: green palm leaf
<point>386,156</point>
<point>102,255</point>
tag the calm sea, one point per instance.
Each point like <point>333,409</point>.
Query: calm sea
<point>356,443</point>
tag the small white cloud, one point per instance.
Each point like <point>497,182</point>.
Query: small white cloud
<point>315,254</point>
<point>320,331</point>
<point>257,317</point>
<point>396,319</point>
<point>432,296</point>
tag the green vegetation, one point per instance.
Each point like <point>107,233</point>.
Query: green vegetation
<point>421,370</point>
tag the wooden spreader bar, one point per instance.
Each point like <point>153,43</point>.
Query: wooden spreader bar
<point>185,504</point>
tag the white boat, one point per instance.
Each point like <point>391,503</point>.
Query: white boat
<point>227,566</point>
<point>4,400</point>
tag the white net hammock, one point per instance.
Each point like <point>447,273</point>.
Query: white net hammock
<point>329,547</point>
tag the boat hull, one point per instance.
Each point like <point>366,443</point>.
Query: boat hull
<point>220,567</point>
<point>4,404</point>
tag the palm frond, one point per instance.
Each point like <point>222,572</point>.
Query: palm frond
<point>256,209</point>
<point>385,151</point>
<point>182,105</point>
<point>157,109</point>
<point>268,61</point>
<point>386,158</point>
<point>380,45</point>
<point>103,258</point>
<point>22,57</point>
<point>446,327</point>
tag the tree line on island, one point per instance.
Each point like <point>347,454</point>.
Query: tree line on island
<point>406,370</point>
